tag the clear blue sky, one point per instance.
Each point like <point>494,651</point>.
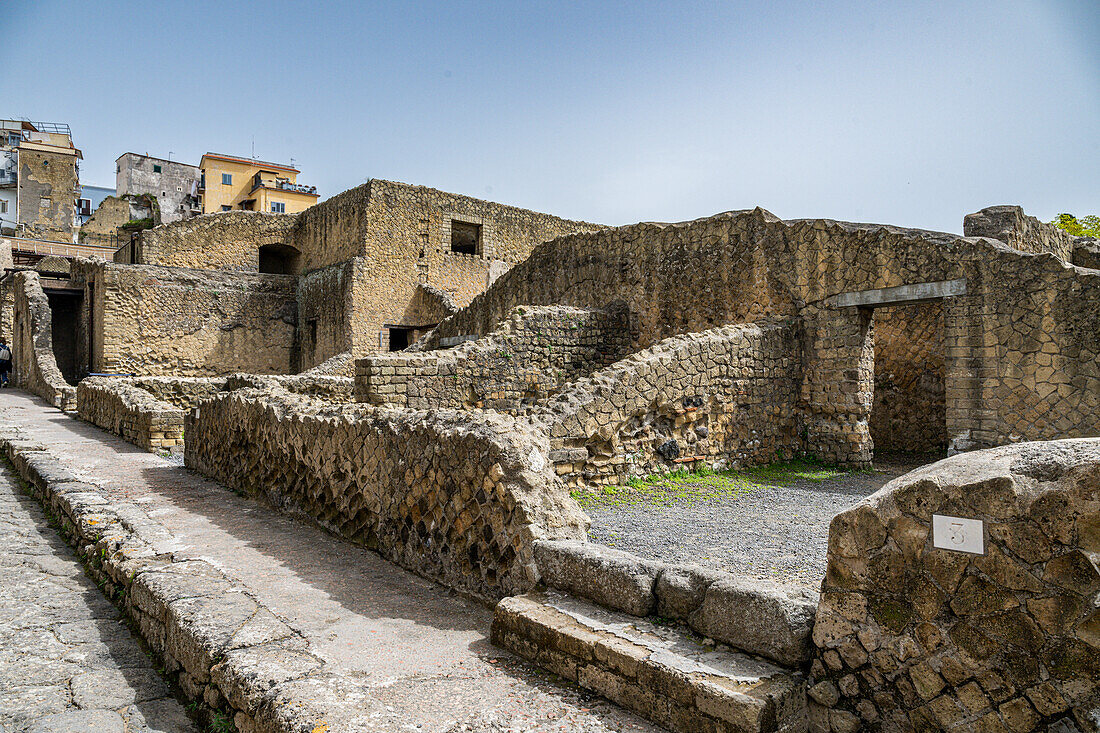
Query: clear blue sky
<point>907,113</point>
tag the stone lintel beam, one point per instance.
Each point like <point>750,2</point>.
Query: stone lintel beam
<point>915,293</point>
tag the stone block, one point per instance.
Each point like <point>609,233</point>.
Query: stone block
<point>612,578</point>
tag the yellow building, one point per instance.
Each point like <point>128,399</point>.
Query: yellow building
<point>229,183</point>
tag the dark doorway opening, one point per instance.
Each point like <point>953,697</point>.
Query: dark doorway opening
<point>909,411</point>
<point>279,259</point>
<point>65,325</point>
<point>399,338</point>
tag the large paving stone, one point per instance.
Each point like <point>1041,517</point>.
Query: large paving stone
<point>80,721</point>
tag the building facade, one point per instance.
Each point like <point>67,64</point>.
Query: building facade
<point>229,183</point>
<point>39,180</point>
<point>175,185</point>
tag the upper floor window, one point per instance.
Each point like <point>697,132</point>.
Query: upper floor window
<point>465,238</point>
<point>156,168</point>
<point>278,207</point>
<point>227,179</point>
<point>225,208</point>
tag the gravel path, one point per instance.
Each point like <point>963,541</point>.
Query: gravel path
<point>776,533</point>
<point>67,662</point>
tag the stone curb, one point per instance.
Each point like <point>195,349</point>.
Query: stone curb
<point>753,616</point>
<point>224,648</point>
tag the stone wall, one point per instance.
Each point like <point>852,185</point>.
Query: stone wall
<point>228,240</point>
<point>325,312</point>
<point>121,407</point>
<point>1012,226</point>
<point>176,321</point>
<point>515,369</point>
<point>909,411</point>
<point>1020,344</point>
<point>48,187</point>
<point>724,397</point>
<point>458,497</point>
<point>34,366</point>
<point>910,636</point>
<point>102,227</point>
<point>398,238</point>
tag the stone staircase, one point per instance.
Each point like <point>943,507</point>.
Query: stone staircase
<point>650,658</point>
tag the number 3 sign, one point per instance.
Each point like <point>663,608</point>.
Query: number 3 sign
<point>958,534</point>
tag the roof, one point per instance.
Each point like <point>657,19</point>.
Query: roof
<point>251,161</point>
<point>153,157</point>
<point>42,147</point>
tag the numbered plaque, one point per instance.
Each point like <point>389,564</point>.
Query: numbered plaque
<point>958,534</point>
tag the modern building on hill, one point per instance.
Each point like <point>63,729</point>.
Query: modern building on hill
<point>39,180</point>
<point>230,183</point>
<point>175,185</point>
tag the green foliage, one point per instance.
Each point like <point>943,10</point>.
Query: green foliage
<point>136,224</point>
<point>681,485</point>
<point>1087,226</point>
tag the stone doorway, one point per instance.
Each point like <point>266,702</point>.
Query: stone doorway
<point>909,410</point>
<point>65,309</point>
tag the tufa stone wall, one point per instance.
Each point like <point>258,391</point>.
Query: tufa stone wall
<point>909,411</point>
<point>728,396</point>
<point>34,367</point>
<point>458,497</point>
<point>175,321</point>
<point>123,408</point>
<point>1020,345</point>
<point>228,240</point>
<point>910,636</point>
<point>399,238</point>
<point>515,369</point>
<point>1012,226</point>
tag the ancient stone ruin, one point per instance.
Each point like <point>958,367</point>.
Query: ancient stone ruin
<point>430,375</point>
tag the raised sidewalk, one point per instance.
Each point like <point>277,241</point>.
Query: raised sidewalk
<point>270,618</point>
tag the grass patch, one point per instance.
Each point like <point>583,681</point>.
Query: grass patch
<point>666,489</point>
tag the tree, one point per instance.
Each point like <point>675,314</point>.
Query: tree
<point>1088,226</point>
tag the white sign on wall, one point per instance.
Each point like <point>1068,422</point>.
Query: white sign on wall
<point>958,534</point>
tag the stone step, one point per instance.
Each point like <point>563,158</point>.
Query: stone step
<point>664,673</point>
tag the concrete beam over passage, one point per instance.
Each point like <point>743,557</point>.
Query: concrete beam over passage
<point>915,293</point>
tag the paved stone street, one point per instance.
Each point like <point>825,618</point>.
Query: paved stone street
<point>421,651</point>
<point>67,663</point>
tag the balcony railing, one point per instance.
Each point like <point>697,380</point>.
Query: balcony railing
<point>280,184</point>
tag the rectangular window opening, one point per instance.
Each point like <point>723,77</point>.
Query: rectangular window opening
<point>278,207</point>
<point>227,179</point>
<point>156,168</point>
<point>465,238</point>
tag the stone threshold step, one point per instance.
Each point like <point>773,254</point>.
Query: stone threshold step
<point>664,673</point>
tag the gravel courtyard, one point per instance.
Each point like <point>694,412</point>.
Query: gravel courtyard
<point>770,523</point>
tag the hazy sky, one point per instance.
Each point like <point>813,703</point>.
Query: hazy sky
<point>905,113</point>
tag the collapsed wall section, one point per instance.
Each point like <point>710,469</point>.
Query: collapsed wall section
<point>724,397</point>
<point>1012,226</point>
<point>515,369</point>
<point>458,497</point>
